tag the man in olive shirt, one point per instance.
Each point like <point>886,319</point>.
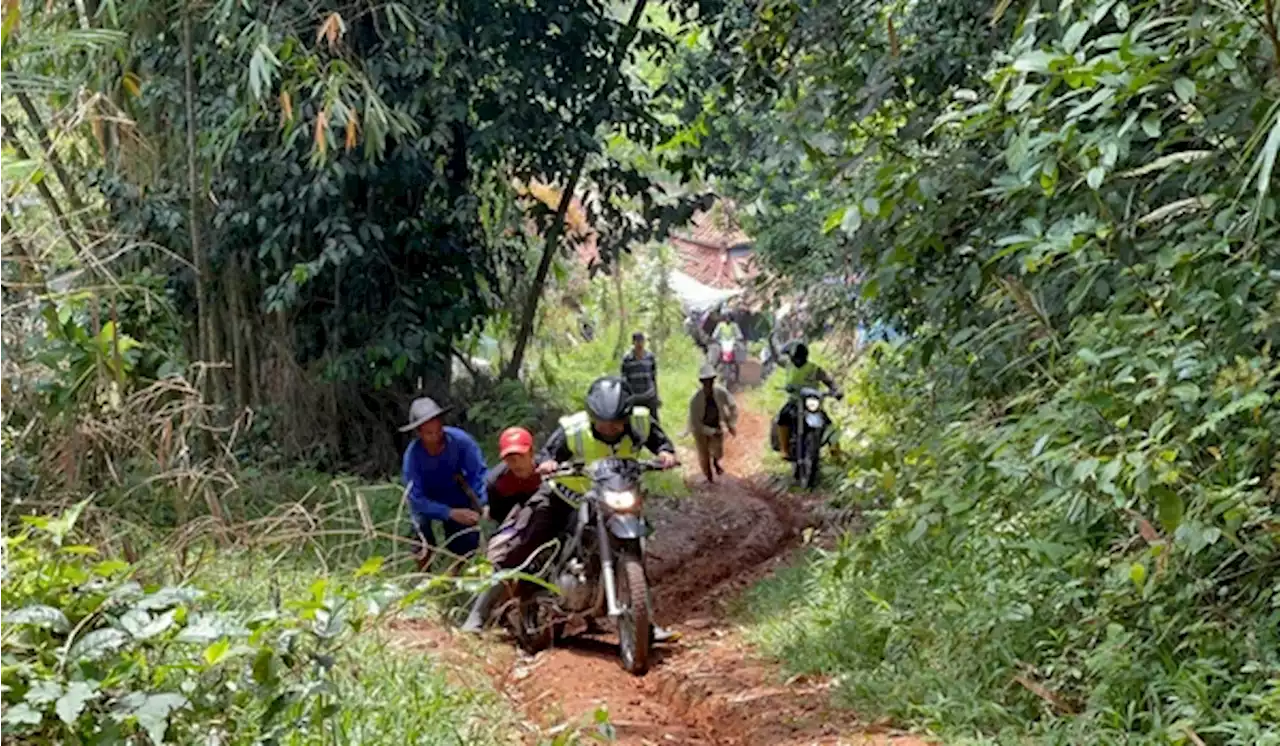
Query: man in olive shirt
<point>712,412</point>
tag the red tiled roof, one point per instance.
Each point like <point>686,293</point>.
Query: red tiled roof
<point>705,248</point>
<point>713,266</point>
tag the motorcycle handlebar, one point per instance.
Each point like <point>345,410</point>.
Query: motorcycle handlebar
<point>579,468</point>
<point>832,394</point>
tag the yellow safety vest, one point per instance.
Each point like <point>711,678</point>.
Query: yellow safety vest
<point>727,333</point>
<point>804,375</point>
<point>587,448</point>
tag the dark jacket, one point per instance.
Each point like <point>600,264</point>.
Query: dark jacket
<point>506,490</point>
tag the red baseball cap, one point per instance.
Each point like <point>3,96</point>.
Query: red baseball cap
<point>515,440</point>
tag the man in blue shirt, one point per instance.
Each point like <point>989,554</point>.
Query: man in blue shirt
<point>437,465</point>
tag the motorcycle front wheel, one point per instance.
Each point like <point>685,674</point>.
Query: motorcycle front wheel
<point>807,464</point>
<point>633,624</point>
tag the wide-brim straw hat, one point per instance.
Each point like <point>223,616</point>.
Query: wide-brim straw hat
<point>423,410</point>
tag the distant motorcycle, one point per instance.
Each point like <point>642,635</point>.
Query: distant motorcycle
<point>596,569</point>
<point>812,432</point>
<point>729,368</point>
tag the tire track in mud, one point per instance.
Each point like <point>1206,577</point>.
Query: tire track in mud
<point>708,688</point>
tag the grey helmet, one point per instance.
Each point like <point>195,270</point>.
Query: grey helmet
<point>609,398</point>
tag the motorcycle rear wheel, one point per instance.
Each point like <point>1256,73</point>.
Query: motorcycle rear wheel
<point>634,623</point>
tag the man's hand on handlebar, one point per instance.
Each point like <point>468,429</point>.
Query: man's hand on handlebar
<point>667,459</point>
<point>548,467</point>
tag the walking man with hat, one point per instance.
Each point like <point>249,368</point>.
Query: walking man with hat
<point>712,411</point>
<point>444,477</point>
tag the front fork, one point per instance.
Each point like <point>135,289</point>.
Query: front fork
<point>606,568</point>
<point>605,540</point>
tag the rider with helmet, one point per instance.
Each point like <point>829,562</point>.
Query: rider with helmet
<point>610,426</point>
<point>727,333</point>
<point>804,373</point>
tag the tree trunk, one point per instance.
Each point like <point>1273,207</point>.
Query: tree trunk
<point>556,230</point>
<point>236,320</point>
<point>59,170</point>
<point>662,323</point>
<point>206,345</point>
<point>11,137</point>
<point>622,308</point>
<point>253,337</point>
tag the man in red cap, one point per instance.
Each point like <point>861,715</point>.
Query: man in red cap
<point>515,479</point>
<point>509,485</point>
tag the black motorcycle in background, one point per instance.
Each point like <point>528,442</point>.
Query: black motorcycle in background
<point>812,431</point>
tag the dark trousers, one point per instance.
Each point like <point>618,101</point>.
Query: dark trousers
<point>652,405</point>
<point>458,539</point>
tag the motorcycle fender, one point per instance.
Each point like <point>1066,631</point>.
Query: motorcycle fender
<point>814,420</point>
<point>627,526</point>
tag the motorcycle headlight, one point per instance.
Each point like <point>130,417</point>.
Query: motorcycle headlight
<point>621,500</point>
<point>812,404</point>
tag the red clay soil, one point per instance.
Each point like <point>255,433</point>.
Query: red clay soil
<point>710,687</point>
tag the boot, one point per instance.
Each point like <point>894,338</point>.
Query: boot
<point>480,610</point>
<point>659,635</point>
<point>784,441</point>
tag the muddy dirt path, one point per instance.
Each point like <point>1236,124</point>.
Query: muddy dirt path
<point>709,687</point>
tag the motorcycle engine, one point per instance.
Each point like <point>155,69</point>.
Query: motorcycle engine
<point>574,588</point>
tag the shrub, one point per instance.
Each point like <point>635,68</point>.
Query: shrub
<point>95,652</point>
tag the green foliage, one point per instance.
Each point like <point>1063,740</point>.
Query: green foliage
<point>495,406</point>
<point>96,654</point>
<point>347,212</point>
<point>1071,466</point>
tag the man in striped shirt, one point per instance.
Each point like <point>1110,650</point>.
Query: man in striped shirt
<point>640,371</point>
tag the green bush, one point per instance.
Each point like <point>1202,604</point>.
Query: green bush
<point>1062,570</point>
<point>1071,468</point>
<point>96,653</point>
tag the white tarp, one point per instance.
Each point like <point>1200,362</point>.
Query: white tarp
<point>696,296</point>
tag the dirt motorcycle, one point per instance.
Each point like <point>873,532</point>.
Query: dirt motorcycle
<point>728,364</point>
<point>812,431</point>
<point>595,568</point>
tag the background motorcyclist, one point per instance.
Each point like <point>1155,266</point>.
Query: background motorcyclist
<point>510,485</point>
<point>804,373</point>
<point>728,333</point>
